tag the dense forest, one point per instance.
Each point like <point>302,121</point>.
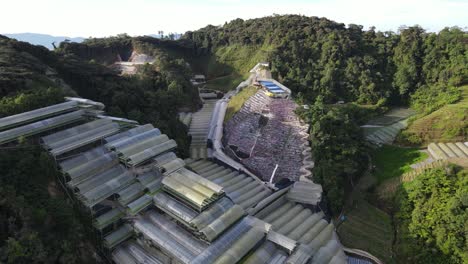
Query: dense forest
<point>316,56</point>
<point>432,218</point>
<point>321,59</point>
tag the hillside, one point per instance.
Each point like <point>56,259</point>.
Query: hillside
<point>156,93</point>
<point>447,124</point>
<point>321,61</point>
<point>43,39</point>
<point>316,56</point>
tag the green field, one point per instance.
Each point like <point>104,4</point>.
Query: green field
<point>393,161</point>
<point>225,83</point>
<point>237,101</point>
<point>230,65</point>
<point>447,124</point>
<point>367,228</point>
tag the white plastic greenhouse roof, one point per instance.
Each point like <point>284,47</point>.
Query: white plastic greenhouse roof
<point>157,208</point>
<point>40,126</point>
<point>31,116</point>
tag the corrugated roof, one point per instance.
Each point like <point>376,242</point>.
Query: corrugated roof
<point>40,126</point>
<point>242,189</point>
<point>305,192</point>
<point>192,188</point>
<point>38,114</point>
<point>132,253</point>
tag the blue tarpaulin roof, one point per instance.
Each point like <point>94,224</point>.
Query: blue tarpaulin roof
<point>273,88</point>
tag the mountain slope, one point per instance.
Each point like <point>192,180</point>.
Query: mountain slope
<point>42,39</point>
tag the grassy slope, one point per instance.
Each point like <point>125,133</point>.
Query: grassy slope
<point>449,123</point>
<point>231,64</point>
<point>237,101</point>
<point>367,227</point>
<point>226,83</point>
<point>392,161</point>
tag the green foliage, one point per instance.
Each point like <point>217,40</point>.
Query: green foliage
<point>35,226</point>
<point>393,161</point>
<point>430,98</point>
<point>367,228</point>
<point>433,217</point>
<point>237,101</point>
<point>225,83</point>
<point>154,95</point>
<point>446,124</point>
<point>315,56</point>
<point>337,148</point>
<point>29,100</point>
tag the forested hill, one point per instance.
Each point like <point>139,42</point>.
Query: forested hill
<point>109,50</point>
<point>318,56</point>
<point>153,96</point>
<point>37,225</point>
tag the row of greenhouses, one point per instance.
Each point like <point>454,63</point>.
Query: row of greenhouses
<point>150,206</point>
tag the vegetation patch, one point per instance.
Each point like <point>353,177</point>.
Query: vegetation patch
<point>432,218</point>
<point>237,101</point>
<point>449,123</point>
<point>225,83</point>
<point>368,228</point>
<point>393,161</point>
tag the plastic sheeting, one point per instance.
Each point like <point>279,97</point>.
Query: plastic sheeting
<point>141,146</point>
<point>241,247</point>
<point>220,245</point>
<point>82,139</point>
<point>119,235</point>
<point>212,213</point>
<point>327,252</point>
<point>139,204</point>
<point>125,142</point>
<point>95,166</point>
<point>100,178</point>
<point>31,116</point>
<point>172,166</point>
<point>214,229</point>
<point>192,188</point>
<point>262,255</point>
<point>179,234</point>
<point>108,218</point>
<point>130,193</point>
<point>81,159</point>
<point>305,192</point>
<point>130,252</point>
<point>129,133</point>
<point>64,134</point>
<point>174,208</point>
<point>40,126</point>
<point>149,153</point>
<point>163,240</point>
<point>103,191</point>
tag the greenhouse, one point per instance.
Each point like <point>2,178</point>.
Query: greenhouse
<point>150,206</point>
<point>41,126</point>
<point>38,114</point>
<point>442,151</point>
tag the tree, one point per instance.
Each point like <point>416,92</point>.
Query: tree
<point>433,217</point>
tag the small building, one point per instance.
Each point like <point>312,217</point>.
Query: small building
<point>259,66</point>
<point>274,89</point>
<point>199,78</point>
